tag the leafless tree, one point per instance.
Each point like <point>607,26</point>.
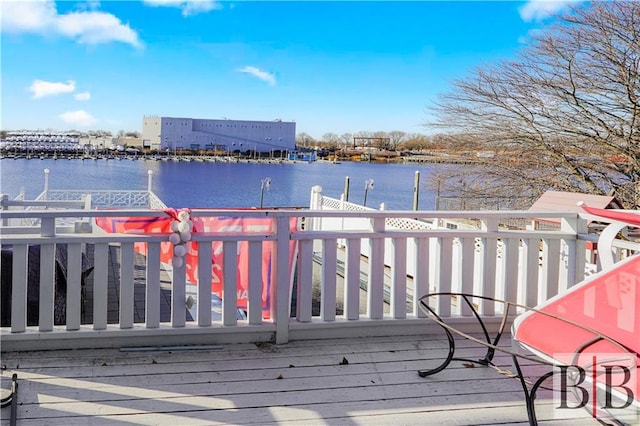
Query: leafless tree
<point>304,140</point>
<point>567,109</point>
<point>346,140</point>
<point>396,137</point>
<point>330,139</point>
<point>416,142</point>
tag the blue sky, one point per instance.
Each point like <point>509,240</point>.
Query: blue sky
<point>329,66</point>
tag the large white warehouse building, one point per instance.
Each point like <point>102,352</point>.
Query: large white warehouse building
<point>175,133</point>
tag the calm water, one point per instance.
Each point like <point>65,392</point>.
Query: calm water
<point>196,184</point>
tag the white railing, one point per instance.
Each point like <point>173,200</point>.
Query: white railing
<point>525,265</point>
<point>144,199</point>
<point>118,199</point>
<point>58,199</point>
<point>38,204</point>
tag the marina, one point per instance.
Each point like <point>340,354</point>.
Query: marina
<point>222,184</point>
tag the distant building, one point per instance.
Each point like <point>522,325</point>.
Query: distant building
<point>564,201</point>
<point>96,143</point>
<point>130,142</point>
<point>171,133</point>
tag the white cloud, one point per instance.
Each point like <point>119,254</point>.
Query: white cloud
<point>41,88</point>
<point>78,118</point>
<point>82,96</point>
<point>535,10</point>
<point>28,16</point>
<point>188,7</point>
<point>85,26</point>
<point>258,73</point>
<point>96,28</point>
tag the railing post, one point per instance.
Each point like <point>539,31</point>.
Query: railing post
<point>46,184</point>
<point>328,280</point>
<point>421,261</point>
<point>280,300</point>
<point>48,227</point>
<point>4,198</point>
<point>529,268</point>
<point>549,273</point>
<point>489,262</point>
<point>316,204</point>
<point>342,241</point>
<point>149,179</point>
<point>442,263</point>
<point>416,190</point>
<point>346,189</point>
<point>19,288</point>
<point>375,271</point>
<point>47,286</point>
<point>398,303</point>
<point>572,252</point>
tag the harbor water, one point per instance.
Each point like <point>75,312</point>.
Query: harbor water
<point>222,185</point>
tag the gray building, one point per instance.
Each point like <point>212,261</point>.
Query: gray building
<point>173,133</point>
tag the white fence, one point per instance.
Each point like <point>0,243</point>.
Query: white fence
<point>339,254</point>
<point>122,199</point>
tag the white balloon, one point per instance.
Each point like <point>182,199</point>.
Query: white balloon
<point>174,238</point>
<point>183,227</point>
<point>174,225</point>
<point>179,250</point>
<point>185,236</point>
<point>177,262</point>
<point>183,215</point>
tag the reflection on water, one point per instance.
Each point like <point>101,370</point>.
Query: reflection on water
<point>206,184</point>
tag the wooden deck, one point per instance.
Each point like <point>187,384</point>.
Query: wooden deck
<point>319,382</point>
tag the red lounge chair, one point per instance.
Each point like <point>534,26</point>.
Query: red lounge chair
<point>593,326</point>
<point>589,335</point>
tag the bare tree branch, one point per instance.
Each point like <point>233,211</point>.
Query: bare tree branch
<point>568,108</point>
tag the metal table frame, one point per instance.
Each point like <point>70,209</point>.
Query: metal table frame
<point>509,313</point>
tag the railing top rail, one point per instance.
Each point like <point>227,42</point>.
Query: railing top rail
<point>430,233</point>
<point>53,214</point>
<point>483,214</point>
<point>442,214</point>
<point>43,203</point>
<point>87,191</point>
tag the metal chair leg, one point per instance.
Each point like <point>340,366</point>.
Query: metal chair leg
<point>10,397</point>
<point>452,346</point>
<point>14,399</point>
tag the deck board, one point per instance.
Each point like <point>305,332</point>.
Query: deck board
<point>303,382</point>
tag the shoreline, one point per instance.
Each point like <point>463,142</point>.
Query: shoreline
<point>414,159</point>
